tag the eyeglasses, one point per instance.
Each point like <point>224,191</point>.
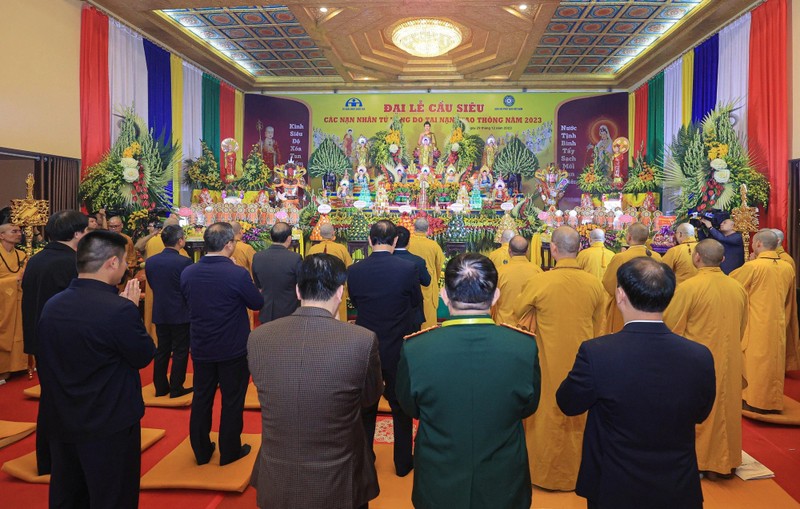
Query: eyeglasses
<point>114,226</point>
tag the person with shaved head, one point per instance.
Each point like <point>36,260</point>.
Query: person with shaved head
<point>595,258</point>
<point>679,257</point>
<point>564,307</point>
<point>711,309</point>
<point>12,347</point>
<point>500,255</point>
<point>769,283</point>
<point>792,326</point>
<point>636,238</point>
<point>782,252</point>
<point>433,255</point>
<point>511,279</point>
<point>333,248</point>
<point>243,252</point>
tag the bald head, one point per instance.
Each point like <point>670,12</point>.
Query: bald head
<point>685,229</point>
<point>597,235</point>
<point>637,234</point>
<point>708,253</point>
<point>326,231</point>
<point>765,240</point>
<point>567,240</point>
<point>237,228</point>
<point>517,246</point>
<point>778,234</point>
<point>421,225</point>
<point>507,236</point>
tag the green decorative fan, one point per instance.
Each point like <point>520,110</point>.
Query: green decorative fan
<point>328,158</point>
<point>516,158</point>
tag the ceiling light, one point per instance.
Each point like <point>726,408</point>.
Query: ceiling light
<point>523,7</point>
<point>323,10</point>
<point>426,37</point>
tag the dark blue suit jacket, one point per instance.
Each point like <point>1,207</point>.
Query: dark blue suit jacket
<point>385,290</point>
<point>275,274</point>
<point>424,280</point>
<point>163,273</point>
<point>734,249</point>
<point>92,344</point>
<point>645,389</point>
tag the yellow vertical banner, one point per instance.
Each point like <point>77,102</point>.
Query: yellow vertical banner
<point>631,124</point>
<point>238,131</point>
<point>686,87</point>
<point>176,74</point>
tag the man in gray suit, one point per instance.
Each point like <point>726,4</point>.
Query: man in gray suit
<point>275,274</point>
<point>314,374</point>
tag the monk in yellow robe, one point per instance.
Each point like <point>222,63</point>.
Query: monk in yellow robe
<point>595,258</point>
<point>564,307</point>
<point>636,237</point>
<point>792,326</point>
<point>769,283</point>
<point>333,248</point>
<point>151,246</point>
<point>243,252</point>
<point>429,251</point>
<point>511,279</point>
<point>12,354</point>
<point>679,257</point>
<point>711,309</point>
<point>500,255</point>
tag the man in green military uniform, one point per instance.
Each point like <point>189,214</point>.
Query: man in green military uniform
<point>470,383</point>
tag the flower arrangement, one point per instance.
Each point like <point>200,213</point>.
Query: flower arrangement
<point>594,178</point>
<point>134,174</point>
<point>203,172</point>
<point>515,158</point>
<point>388,148</point>
<point>709,163</point>
<point>463,149</point>
<point>328,158</point>
<point>137,218</point>
<point>256,174</point>
<point>643,177</point>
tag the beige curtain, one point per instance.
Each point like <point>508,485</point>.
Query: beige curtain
<point>57,180</point>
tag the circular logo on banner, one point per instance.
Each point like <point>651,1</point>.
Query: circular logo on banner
<point>509,100</point>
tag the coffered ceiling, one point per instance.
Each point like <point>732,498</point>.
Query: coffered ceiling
<point>346,44</point>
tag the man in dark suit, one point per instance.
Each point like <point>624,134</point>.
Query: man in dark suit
<point>219,293</point>
<point>89,366</point>
<point>385,291</point>
<point>170,313</point>
<point>470,382</point>
<point>645,389</point>
<point>337,366</point>
<point>48,272</point>
<point>403,236</point>
<point>275,274</point>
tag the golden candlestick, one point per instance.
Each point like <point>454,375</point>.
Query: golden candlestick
<point>745,220</point>
<point>28,213</point>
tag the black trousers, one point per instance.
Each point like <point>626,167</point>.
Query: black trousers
<point>173,339</point>
<point>232,377</point>
<point>402,423</point>
<point>99,474</point>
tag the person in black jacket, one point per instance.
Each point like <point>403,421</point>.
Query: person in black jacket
<point>403,236</point>
<point>48,272</point>
<point>645,389</point>
<point>170,313</point>
<point>275,274</point>
<point>91,391</point>
<point>385,291</point>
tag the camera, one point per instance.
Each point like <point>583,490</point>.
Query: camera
<point>715,216</point>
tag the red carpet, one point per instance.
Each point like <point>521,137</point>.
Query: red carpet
<point>775,446</point>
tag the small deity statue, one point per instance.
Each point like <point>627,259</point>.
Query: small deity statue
<point>552,184</point>
<point>205,197</point>
<point>381,198</point>
<point>425,151</point>
<point>463,197</point>
<point>500,193</point>
<point>450,177</point>
<point>229,146</point>
<point>343,192</point>
<point>269,147</point>
<point>291,188</point>
<point>347,144</point>
<point>330,181</point>
<point>422,202</point>
<point>475,199</point>
<point>485,182</point>
<point>645,218</point>
<point>572,218</point>
<point>252,213</point>
<point>489,152</point>
<point>208,215</point>
<point>361,153</point>
<point>586,200</point>
<point>263,198</point>
<point>649,202</point>
<point>619,163</point>
<point>426,132</point>
<point>400,174</point>
<point>362,178</point>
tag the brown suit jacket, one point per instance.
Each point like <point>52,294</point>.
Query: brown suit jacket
<point>313,374</point>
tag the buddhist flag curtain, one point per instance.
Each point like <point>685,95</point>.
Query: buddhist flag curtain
<point>640,122</point>
<point>734,68</point>
<point>687,87</point>
<point>655,119</point>
<point>239,131</point>
<point>95,136</point>
<point>120,69</point>
<point>704,93</point>
<point>673,120</point>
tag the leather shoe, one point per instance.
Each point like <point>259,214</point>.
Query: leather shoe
<point>244,451</point>
<point>181,392</point>
<point>213,447</point>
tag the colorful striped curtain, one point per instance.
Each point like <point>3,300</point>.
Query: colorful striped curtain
<point>211,127</point>
<point>704,93</point>
<point>655,119</point>
<point>95,134</point>
<point>640,122</point>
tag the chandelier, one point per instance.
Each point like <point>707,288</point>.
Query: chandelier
<point>426,37</point>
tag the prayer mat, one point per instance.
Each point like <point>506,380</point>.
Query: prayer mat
<point>179,469</point>
<point>789,417</point>
<point>24,467</point>
<point>150,399</point>
<point>11,431</point>
<point>34,392</point>
<point>251,398</point>
<point>384,430</point>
